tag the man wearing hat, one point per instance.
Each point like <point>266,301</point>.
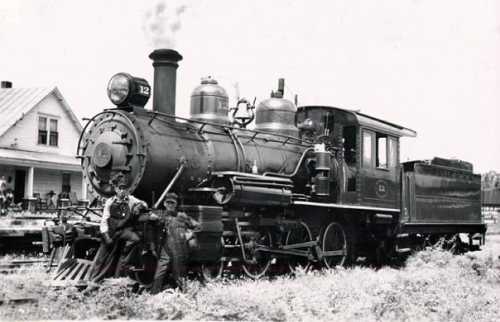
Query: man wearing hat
<point>174,248</point>
<point>119,214</point>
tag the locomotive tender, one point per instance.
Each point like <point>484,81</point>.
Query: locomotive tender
<point>309,184</point>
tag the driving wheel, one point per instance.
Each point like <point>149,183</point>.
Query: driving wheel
<point>334,245</point>
<point>258,262</point>
<point>297,235</point>
<point>212,271</point>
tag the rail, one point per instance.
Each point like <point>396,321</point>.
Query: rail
<point>19,301</point>
<point>14,265</point>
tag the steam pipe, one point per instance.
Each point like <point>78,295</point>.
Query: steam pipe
<point>294,171</point>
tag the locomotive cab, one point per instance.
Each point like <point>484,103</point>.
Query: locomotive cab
<point>366,168</point>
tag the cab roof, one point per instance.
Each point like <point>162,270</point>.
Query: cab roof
<point>368,121</point>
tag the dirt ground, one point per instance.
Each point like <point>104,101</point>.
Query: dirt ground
<point>434,285</point>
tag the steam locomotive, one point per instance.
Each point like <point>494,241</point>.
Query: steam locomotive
<point>307,185</point>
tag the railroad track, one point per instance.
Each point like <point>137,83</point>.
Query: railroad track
<point>18,301</point>
<point>15,265</point>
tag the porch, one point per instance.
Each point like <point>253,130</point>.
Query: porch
<point>42,181</point>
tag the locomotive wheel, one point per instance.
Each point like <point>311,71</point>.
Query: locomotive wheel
<point>335,245</point>
<point>147,263</point>
<point>261,260</point>
<point>211,271</point>
<point>296,235</point>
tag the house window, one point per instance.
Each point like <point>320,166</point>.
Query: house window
<point>47,133</point>
<point>42,130</point>
<point>54,135</point>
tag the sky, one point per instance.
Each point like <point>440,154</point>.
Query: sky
<point>429,65</point>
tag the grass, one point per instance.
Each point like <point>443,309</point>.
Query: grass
<point>433,286</point>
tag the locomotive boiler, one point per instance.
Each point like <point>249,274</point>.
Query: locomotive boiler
<point>316,185</point>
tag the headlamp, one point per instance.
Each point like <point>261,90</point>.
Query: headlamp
<point>125,90</point>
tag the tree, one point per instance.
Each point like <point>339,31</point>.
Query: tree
<point>490,180</point>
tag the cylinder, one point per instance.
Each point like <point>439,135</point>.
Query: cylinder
<point>165,63</point>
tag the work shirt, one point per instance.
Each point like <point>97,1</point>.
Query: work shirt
<point>130,201</point>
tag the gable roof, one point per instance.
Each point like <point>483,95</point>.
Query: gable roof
<point>17,102</point>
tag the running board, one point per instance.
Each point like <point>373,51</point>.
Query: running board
<point>382,219</point>
<point>343,206</point>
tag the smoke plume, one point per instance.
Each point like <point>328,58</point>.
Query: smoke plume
<point>163,21</point>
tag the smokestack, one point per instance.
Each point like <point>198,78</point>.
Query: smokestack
<point>165,79</point>
<point>6,84</point>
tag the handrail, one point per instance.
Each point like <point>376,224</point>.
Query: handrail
<point>117,111</point>
<point>236,147</point>
<point>89,121</point>
<point>167,189</point>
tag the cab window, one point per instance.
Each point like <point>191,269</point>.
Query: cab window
<point>381,161</point>
<point>379,150</point>
<point>367,148</point>
<point>393,152</point>
<point>349,134</point>
<point>328,123</point>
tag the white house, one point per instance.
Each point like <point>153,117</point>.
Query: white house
<point>38,138</point>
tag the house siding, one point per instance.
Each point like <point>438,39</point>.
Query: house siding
<point>23,136</point>
<point>46,180</point>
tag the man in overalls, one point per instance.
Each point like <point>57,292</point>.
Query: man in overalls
<point>173,254</point>
<point>117,224</point>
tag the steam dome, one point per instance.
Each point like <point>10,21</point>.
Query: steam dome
<point>209,102</point>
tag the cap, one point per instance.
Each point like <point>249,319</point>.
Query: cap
<point>171,196</point>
